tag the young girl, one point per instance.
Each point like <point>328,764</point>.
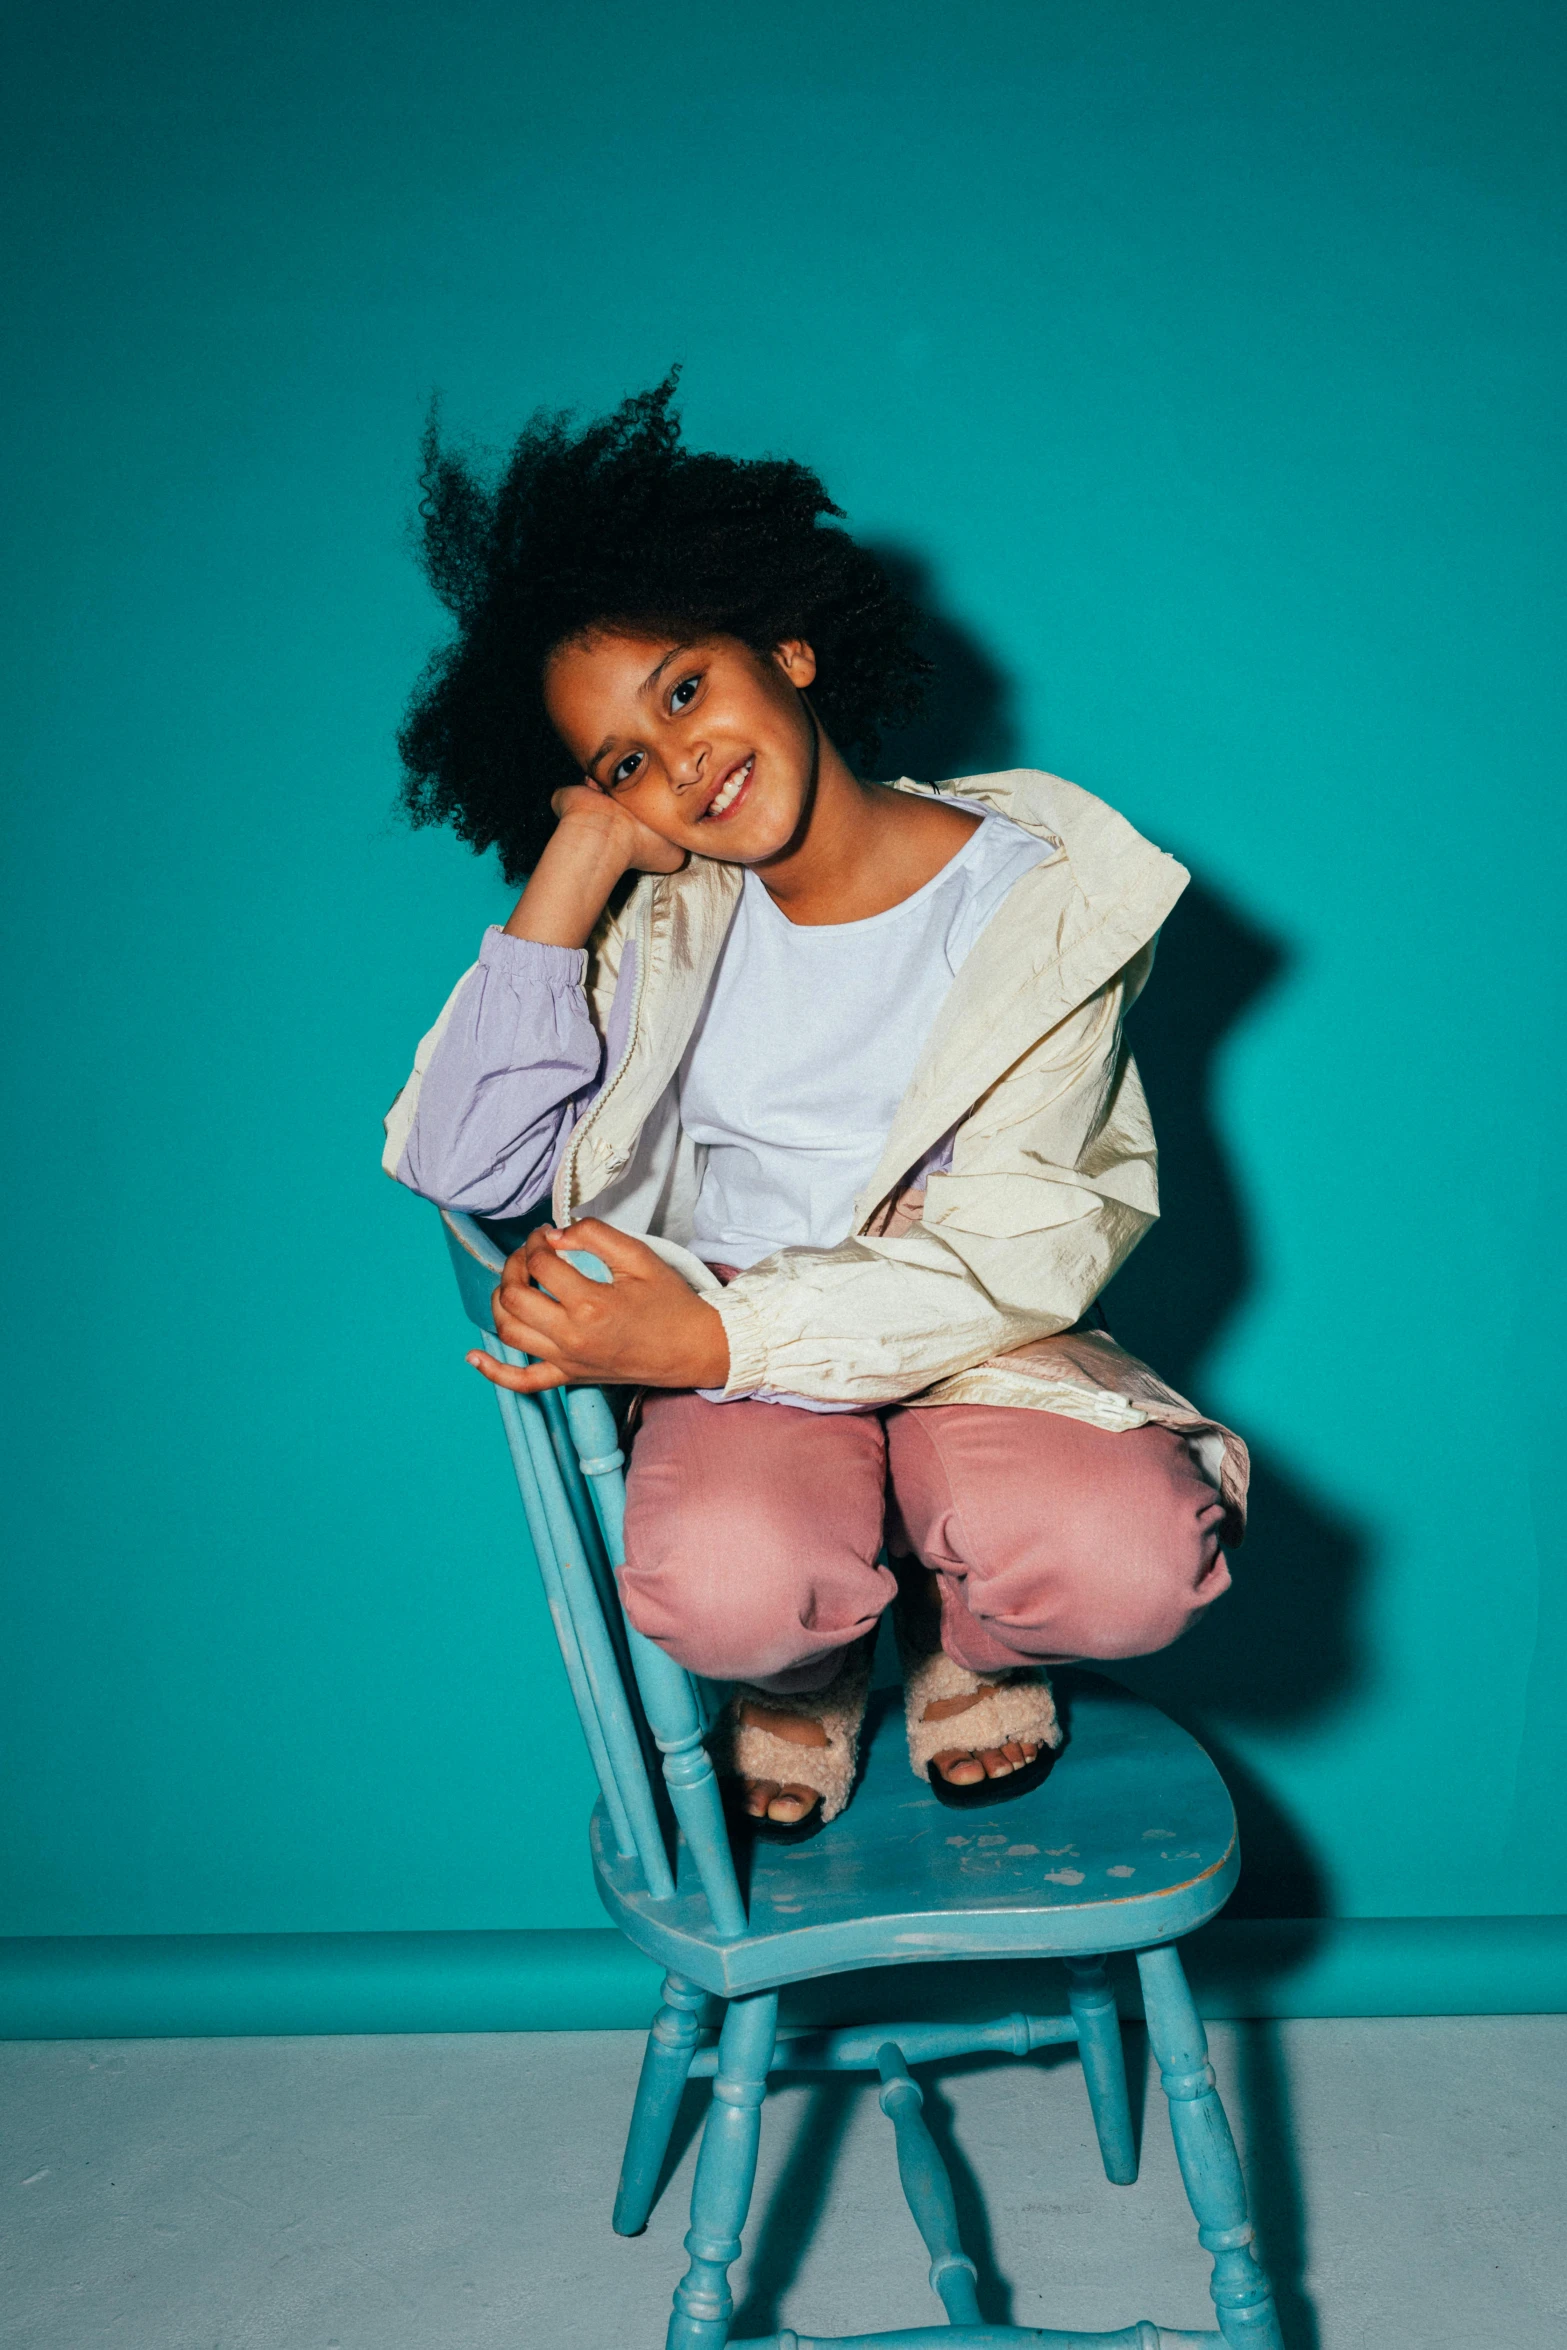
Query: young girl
<point>831,1076</point>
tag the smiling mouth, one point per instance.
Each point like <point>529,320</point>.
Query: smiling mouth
<point>729,792</point>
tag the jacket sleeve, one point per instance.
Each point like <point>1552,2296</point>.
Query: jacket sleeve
<point>499,1081</point>
<point>1053,1182</point>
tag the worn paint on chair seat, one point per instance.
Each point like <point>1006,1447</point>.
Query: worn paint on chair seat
<point>1130,1840</point>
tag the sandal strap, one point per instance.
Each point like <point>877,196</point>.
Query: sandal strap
<point>746,1752</point>
<point>1016,1706</point>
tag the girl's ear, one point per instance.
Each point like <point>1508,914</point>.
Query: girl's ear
<point>797,661</point>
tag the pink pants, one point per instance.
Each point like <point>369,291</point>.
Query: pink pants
<point>752,1531</point>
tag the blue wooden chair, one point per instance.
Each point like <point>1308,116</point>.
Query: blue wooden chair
<point>1129,1844</point>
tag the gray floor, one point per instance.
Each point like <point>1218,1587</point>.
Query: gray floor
<point>453,2194</point>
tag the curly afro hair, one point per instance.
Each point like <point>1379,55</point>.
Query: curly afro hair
<point>615,524</point>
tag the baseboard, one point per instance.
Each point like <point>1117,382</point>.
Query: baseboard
<point>198,1986</point>
<point>241,1985</point>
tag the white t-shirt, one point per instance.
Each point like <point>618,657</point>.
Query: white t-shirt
<point>807,1043</point>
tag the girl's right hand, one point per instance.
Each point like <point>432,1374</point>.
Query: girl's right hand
<point>639,849</point>
<point>593,844</point>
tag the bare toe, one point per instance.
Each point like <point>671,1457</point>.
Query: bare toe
<point>759,1797</point>
<point>790,1804</point>
<point>996,1764</point>
<point>959,1769</point>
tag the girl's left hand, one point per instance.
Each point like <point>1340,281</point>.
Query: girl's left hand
<point>645,1328</point>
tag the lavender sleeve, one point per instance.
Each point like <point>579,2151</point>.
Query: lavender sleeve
<point>499,1082</point>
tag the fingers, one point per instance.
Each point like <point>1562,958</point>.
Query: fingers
<point>544,1262</point>
<point>570,795</point>
<point>546,1307</point>
<point>619,1250</point>
<point>547,1265</point>
<point>530,1321</point>
<point>521,1378</point>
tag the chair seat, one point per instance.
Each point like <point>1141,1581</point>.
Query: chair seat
<point>1131,1840</point>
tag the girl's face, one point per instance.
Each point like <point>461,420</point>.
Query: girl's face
<point>708,744</point>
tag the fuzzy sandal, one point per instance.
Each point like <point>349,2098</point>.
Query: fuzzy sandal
<point>1018,1706</point>
<point>743,1752</point>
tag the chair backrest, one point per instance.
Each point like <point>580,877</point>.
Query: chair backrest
<point>630,1697</point>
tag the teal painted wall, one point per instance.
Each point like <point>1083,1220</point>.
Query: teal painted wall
<point>1207,359</point>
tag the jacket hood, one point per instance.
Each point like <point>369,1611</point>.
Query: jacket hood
<point>1064,931</point>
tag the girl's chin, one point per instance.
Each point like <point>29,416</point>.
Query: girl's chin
<point>744,845</point>
<point>749,857</point>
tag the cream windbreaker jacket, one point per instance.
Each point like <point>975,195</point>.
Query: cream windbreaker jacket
<point>1018,1174</point>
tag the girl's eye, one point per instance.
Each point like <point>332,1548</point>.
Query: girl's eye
<point>680,699</point>
<point>624,770</point>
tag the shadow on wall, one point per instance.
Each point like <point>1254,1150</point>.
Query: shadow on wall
<point>1281,1648</point>
<point>967,725</point>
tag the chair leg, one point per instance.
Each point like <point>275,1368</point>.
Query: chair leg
<point>1210,2166</point>
<point>666,2061</point>
<point>1104,2065</point>
<point>725,2172</point>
